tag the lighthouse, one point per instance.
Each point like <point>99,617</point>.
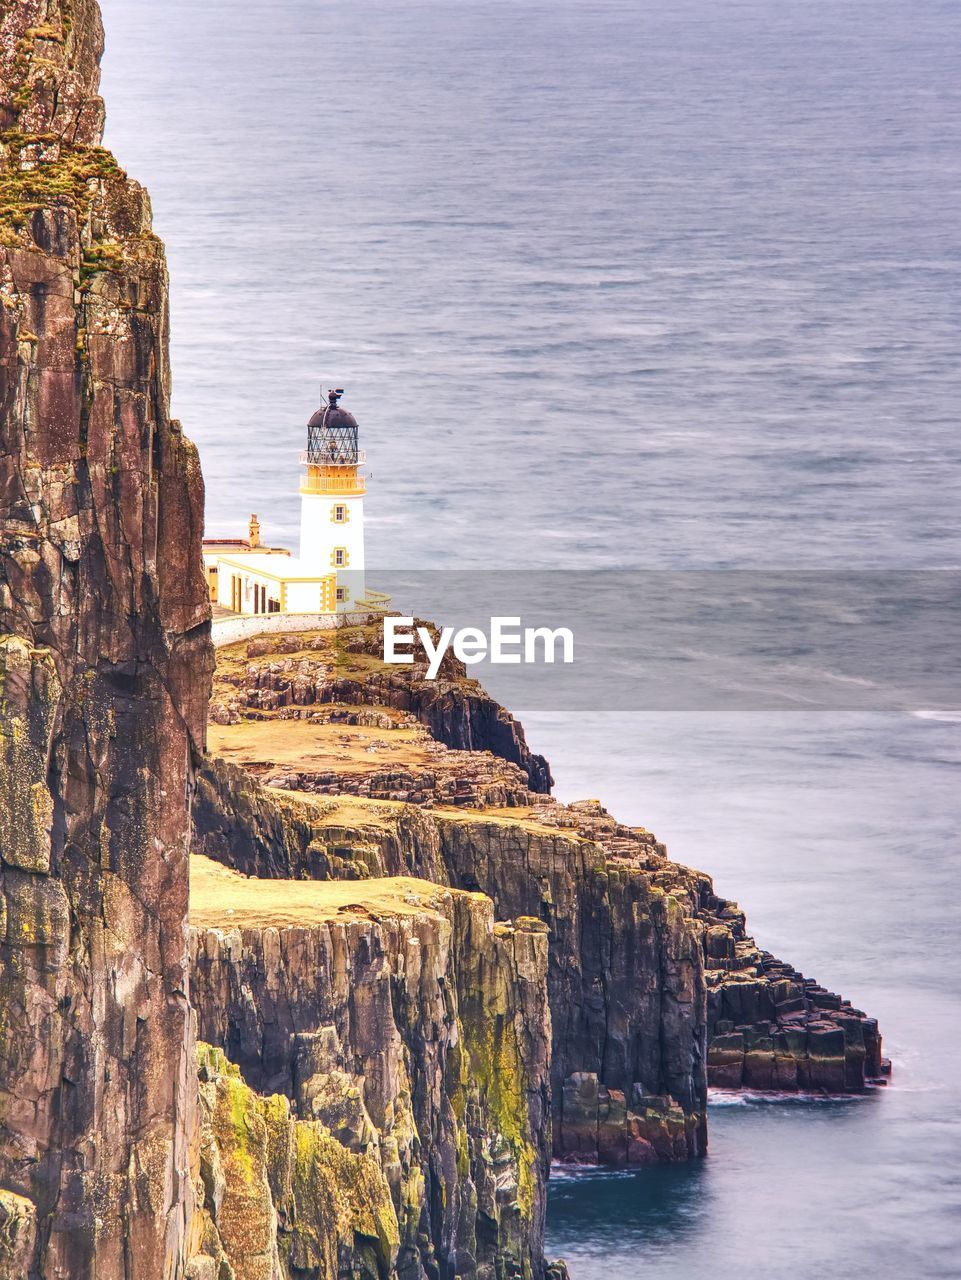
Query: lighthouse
<point>246,576</point>
<point>332,501</point>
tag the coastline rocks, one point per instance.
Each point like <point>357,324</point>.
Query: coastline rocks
<point>598,1125</point>
<point>809,1040</point>
<point>625,979</point>
<point>656,989</point>
<point>626,970</point>
<point>768,1027</point>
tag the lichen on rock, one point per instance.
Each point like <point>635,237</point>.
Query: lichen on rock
<point>279,1196</point>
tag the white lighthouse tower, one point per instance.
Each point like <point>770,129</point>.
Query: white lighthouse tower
<point>332,502</point>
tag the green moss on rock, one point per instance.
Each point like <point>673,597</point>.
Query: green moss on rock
<point>283,1193</point>
<point>41,172</point>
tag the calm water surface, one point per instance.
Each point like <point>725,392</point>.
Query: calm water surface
<point>625,284</point>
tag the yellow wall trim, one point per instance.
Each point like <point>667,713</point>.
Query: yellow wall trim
<point>274,577</point>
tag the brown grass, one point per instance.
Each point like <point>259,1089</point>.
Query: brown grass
<point>345,811</point>
<point>224,899</point>
<point>308,747</point>
<point>526,818</point>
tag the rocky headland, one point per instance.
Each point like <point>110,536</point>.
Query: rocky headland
<point>399,977</point>
<point>656,988</point>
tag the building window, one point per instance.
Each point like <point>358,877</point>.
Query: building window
<point>339,558</point>
<point>339,514</point>
<point>341,594</point>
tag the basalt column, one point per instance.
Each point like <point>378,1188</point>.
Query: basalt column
<point>104,675</point>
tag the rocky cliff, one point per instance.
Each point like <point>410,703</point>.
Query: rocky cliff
<point>104,668</point>
<point>347,669</point>
<point>625,978</point>
<point>278,1194</point>
<point>657,990</point>
<point>418,1143</point>
<point>391,1047</point>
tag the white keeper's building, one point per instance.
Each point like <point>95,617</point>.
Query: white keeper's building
<point>327,576</point>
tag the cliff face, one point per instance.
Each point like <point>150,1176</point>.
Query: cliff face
<point>409,1037</point>
<point>264,831</point>
<point>625,978</point>
<point>278,1194</point>
<point>104,666</point>
<point>626,984</point>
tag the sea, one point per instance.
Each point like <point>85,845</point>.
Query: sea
<point>642,285</point>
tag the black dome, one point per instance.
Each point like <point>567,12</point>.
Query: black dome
<point>331,417</point>
<point>332,435</point>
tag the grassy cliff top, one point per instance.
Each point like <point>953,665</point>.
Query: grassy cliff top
<point>222,899</point>
<point>358,647</point>
<point>359,811</point>
<point>525,818</point>
<point>318,747</point>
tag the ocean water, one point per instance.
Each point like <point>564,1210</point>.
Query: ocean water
<point>659,285</point>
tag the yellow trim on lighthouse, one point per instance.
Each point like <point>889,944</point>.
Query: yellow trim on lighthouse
<point>334,480</point>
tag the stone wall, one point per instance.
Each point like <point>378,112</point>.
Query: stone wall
<point>225,631</point>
